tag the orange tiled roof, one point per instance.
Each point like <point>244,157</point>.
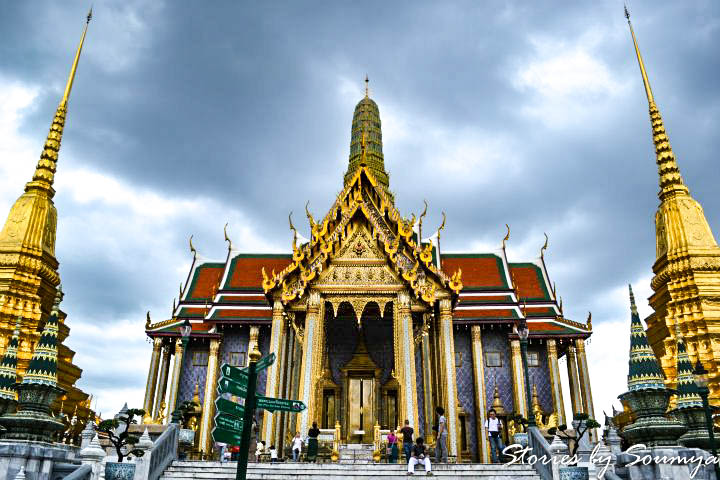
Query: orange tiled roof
<point>479,270</point>
<point>205,281</point>
<point>530,281</point>
<point>246,270</point>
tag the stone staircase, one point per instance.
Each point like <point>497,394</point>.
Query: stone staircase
<point>332,471</point>
<point>356,453</point>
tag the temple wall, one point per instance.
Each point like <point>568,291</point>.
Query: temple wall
<point>420,427</point>
<point>540,376</point>
<point>465,383</point>
<point>496,340</point>
<point>264,346</point>
<point>192,374</point>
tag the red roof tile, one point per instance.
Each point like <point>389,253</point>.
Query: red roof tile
<point>479,271</point>
<point>246,270</point>
<point>206,281</point>
<point>530,281</point>
<point>485,312</point>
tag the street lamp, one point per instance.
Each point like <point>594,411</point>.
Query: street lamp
<point>185,330</point>
<point>523,332</point>
<point>701,380</point>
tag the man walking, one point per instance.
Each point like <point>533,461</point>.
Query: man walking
<point>441,452</point>
<point>407,433</point>
<point>494,426</point>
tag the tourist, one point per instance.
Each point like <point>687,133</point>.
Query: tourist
<point>441,452</point>
<point>259,450</point>
<point>407,433</point>
<point>296,447</point>
<point>220,447</point>
<point>494,426</point>
<point>392,449</point>
<point>273,454</point>
<point>418,456</point>
<point>312,442</point>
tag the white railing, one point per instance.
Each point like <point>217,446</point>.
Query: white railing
<point>541,449</point>
<point>81,473</point>
<point>164,451</point>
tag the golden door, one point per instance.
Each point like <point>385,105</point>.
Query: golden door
<point>361,415</point>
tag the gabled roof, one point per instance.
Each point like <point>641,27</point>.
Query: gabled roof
<point>245,270</point>
<point>204,281</point>
<point>530,281</point>
<point>480,271</point>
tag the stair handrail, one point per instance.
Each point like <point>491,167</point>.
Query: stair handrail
<point>83,472</point>
<point>164,451</point>
<point>540,447</point>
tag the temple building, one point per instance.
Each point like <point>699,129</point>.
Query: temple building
<point>29,277</point>
<point>686,281</point>
<point>372,324</point>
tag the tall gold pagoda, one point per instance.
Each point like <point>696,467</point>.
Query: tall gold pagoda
<point>28,268</point>
<point>686,281</point>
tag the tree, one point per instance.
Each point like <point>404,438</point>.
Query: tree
<point>124,438</point>
<point>586,423</point>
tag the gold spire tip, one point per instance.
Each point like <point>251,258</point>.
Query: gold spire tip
<point>367,86</point>
<point>71,77</point>
<point>627,13</point>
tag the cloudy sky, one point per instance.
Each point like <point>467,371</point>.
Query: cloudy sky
<point>185,116</point>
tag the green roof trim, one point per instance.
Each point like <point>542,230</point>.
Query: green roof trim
<point>540,278</point>
<point>479,288</point>
<point>233,266</point>
<point>688,395</point>
<point>196,275</point>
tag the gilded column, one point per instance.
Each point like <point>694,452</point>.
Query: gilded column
<point>309,353</point>
<point>405,357</point>
<point>175,383</point>
<point>208,407</point>
<point>162,381</point>
<point>555,383</point>
<point>480,396</point>
<point>152,379</point>
<point>277,334</point>
<point>447,353</point>
<point>428,389</point>
<point>584,377</point>
<point>519,395</point>
<point>575,395</point>
<point>253,342</point>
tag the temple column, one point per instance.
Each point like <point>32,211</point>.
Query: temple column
<point>405,358</point>
<point>555,383</point>
<point>279,421</point>
<point>428,389</point>
<point>519,391</point>
<point>277,334</point>
<point>208,406</point>
<point>480,397</point>
<point>448,380</point>
<point>152,379</point>
<point>584,377</point>
<point>575,395</point>
<point>162,381</point>
<point>253,342</point>
<point>175,383</point>
<point>310,360</point>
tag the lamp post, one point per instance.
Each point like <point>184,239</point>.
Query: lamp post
<point>185,330</point>
<point>523,332</point>
<point>701,380</point>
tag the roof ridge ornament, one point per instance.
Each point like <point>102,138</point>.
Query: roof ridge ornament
<point>544,247</point>
<point>227,239</point>
<point>507,236</point>
<point>192,247</point>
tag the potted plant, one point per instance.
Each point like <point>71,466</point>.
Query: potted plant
<point>520,438</point>
<point>118,432</point>
<point>583,423</point>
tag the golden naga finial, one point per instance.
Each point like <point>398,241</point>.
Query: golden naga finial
<point>309,216</point>
<point>181,290</point>
<point>589,321</point>
<point>424,212</point>
<point>147,320</point>
<point>295,234</point>
<point>227,239</point>
<point>456,281</point>
<point>544,247</point>
<point>507,236</point>
<point>560,305</point>
<point>192,248</point>
<point>173,308</point>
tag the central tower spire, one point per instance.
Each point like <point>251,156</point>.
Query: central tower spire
<point>366,124</point>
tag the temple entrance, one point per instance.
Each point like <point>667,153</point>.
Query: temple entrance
<point>361,408</point>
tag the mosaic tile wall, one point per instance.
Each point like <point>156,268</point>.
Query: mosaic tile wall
<point>465,384</point>
<point>191,374</point>
<point>420,428</point>
<point>264,345</point>
<point>496,340</point>
<point>540,376</point>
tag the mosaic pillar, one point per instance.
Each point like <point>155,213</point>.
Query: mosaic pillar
<point>208,406</point>
<point>279,420</point>
<point>480,396</point>
<point>152,378</point>
<point>310,360</point>
<point>428,390</point>
<point>519,395</point>
<point>447,354</point>
<point>273,376</point>
<point>405,358</point>
<point>555,384</point>
<point>162,381</point>
<point>575,395</point>
<point>175,383</point>
<point>584,377</point>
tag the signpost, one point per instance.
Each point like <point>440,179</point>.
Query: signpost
<point>225,385</point>
<point>273,404</point>
<point>231,408</point>
<point>265,362</point>
<point>234,373</point>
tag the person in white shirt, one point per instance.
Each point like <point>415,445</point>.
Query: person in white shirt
<point>494,426</point>
<point>297,447</point>
<point>273,454</point>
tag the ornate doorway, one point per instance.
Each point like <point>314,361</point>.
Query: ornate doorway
<point>361,407</point>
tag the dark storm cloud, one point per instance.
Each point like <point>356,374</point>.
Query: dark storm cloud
<point>243,104</point>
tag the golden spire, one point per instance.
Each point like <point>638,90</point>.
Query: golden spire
<point>45,170</point>
<point>367,86</point>
<point>670,179</point>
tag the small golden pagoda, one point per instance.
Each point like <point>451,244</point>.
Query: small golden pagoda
<point>28,268</point>
<point>686,283</point>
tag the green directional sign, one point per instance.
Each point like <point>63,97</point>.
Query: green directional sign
<point>234,373</point>
<point>231,408</point>
<point>226,436</point>
<point>225,385</point>
<point>229,422</point>
<point>263,363</point>
<point>273,404</point>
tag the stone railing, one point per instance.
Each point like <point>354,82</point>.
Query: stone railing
<point>164,451</point>
<point>541,449</point>
<point>82,472</point>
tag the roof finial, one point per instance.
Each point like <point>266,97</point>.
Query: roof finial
<point>71,77</point>
<point>544,247</point>
<point>648,90</point>
<point>367,86</point>
<point>507,236</point>
<point>227,239</point>
<point>633,307</point>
